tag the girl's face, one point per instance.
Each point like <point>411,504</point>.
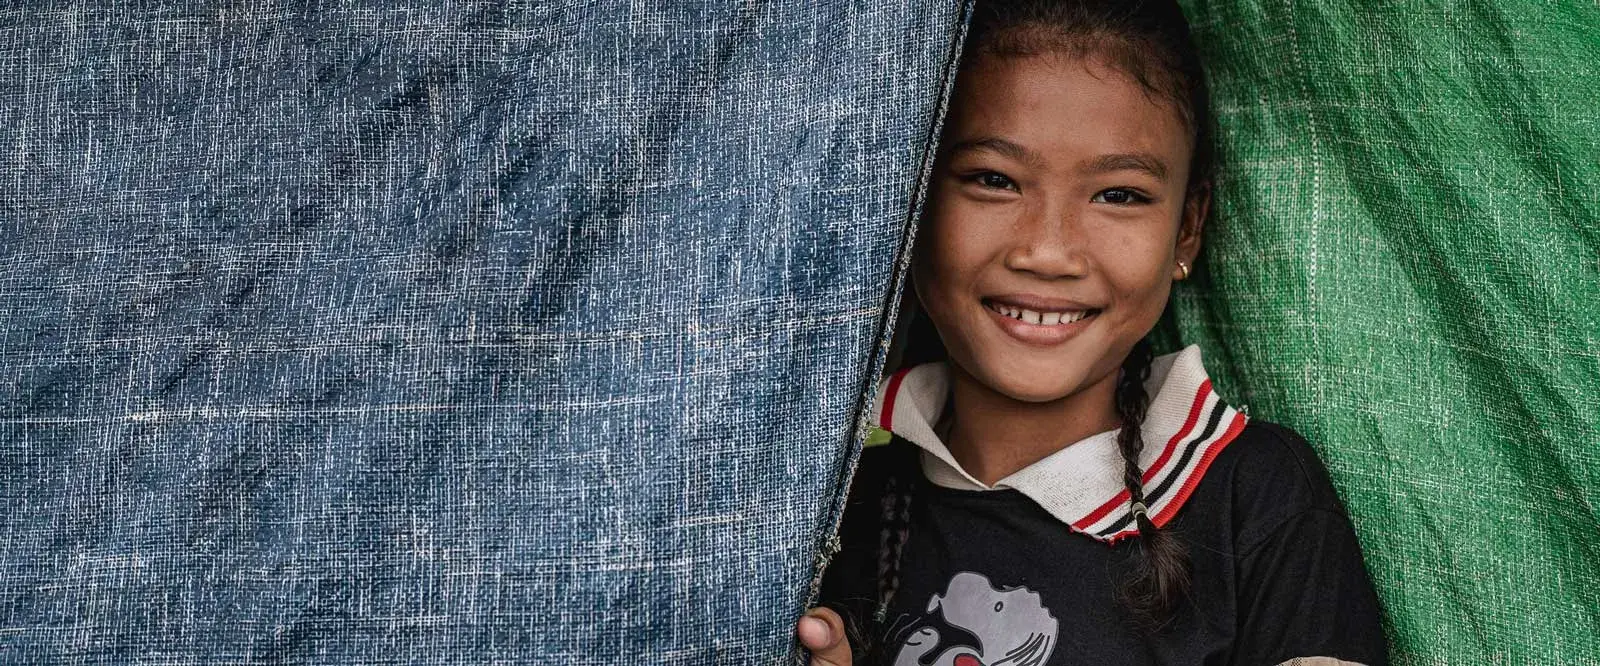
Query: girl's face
<point>1056,223</point>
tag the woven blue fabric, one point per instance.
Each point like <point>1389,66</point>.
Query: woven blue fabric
<point>441,332</point>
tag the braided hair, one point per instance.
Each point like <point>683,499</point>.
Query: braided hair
<point>1161,576</point>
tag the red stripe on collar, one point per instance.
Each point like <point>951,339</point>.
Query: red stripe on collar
<point>886,415</point>
<point>1122,498</point>
<point>1234,428</point>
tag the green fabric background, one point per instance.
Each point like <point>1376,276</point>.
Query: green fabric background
<point>1404,265</point>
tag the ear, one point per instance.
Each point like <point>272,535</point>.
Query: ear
<point>1195,208</point>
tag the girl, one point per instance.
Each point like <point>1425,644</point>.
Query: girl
<point>1050,493</point>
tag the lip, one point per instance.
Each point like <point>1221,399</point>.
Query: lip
<point>1039,335</point>
<point>1040,303</point>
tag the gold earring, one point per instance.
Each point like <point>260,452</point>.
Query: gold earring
<point>1185,268</point>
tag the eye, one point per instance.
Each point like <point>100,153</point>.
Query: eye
<point>993,180</point>
<point>1120,196</point>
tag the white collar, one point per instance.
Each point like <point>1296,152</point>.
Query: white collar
<point>1186,425</point>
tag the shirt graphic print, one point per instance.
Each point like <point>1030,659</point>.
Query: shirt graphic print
<point>976,623</point>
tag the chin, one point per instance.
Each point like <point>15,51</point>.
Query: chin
<point>1031,382</point>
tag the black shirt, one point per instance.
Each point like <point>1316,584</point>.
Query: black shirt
<point>988,577</point>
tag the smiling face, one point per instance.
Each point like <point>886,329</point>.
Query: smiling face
<point>1056,223</point>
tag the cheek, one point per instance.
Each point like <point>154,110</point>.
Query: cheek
<point>951,249</point>
<point>1139,270</point>
<point>929,276</point>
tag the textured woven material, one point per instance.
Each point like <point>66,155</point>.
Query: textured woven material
<point>1405,266</point>
<point>440,332</point>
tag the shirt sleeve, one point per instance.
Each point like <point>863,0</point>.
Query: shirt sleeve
<point>1304,594</point>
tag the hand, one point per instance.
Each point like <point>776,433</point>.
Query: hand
<point>822,632</point>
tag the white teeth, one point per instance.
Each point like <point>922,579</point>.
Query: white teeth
<point>1041,318</point>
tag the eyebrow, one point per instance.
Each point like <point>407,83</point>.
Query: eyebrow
<point>1145,162</point>
<point>998,145</point>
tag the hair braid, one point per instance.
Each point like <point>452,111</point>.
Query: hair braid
<point>896,527</point>
<point>1162,574</point>
<point>894,522</point>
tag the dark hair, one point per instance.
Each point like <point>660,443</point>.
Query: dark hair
<point>1148,40</point>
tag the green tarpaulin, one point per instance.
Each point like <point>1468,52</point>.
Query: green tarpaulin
<point>1405,266</point>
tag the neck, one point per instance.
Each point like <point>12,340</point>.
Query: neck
<point>993,435</point>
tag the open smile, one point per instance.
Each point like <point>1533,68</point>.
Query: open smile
<point>1041,324</point>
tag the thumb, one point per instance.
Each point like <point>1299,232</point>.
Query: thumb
<point>821,631</point>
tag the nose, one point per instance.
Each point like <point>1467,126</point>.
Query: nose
<point>1049,243</point>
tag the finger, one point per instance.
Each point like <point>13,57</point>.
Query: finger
<point>822,632</point>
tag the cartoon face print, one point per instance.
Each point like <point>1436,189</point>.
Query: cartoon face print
<point>974,623</point>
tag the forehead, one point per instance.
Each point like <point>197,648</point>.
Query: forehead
<point>1065,109</point>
